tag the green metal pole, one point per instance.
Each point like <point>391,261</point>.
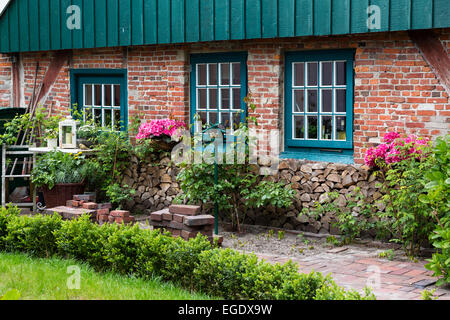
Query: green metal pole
<point>216,205</point>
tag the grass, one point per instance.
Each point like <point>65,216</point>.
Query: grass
<point>46,279</point>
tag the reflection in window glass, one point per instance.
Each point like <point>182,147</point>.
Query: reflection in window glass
<point>299,132</point>
<point>213,118</point>
<point>341,100</point>
<point>327,73</point>
<point>108,117</point>
<point>299,101</point>
<point>225,121</point>
<point>117,95</point>
<point>98,95</point>
<point>108,95</point>
<point>117,120</point>
<point>327,100</point>
<point>312,73</point>
<point>236,74</point>
<point>98,116</point>
<point>237,103</point>
<point>312,101</point>
<point>299,74</point>
<point>327,128</point>
<point>341,73</point>
<point>202,98</point>
<point>88,95</point>
<point>201,74</point>
<point>212,74</point>
<point>225,74</point>
<point>312,128</point>
<point>212,99</point>
<point>225,98</point>
<point>203,117</point>
<point>341,128</point>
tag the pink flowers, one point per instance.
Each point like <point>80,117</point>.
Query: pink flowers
<point>158,128</point>
<point>396,149</point>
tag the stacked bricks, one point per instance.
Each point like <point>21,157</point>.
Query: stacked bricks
<point>99,212</point>
<point>184,221</point>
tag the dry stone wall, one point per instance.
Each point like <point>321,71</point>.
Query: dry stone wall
<point>156,188</point>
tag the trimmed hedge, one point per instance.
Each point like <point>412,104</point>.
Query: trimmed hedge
<point>195,265</point>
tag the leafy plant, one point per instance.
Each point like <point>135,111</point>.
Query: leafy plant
<point>388,254</point>
<point>118,194</point>
<point>11,295</point>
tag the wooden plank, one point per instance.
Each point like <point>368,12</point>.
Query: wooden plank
<point>304,18</point>
<point>359,16</point>
<point>286,21</point>
<point>77,34</point>
<point>164,21</point>
<point>401,10</point>
<point>124,22</point>
<point>206,20</point>
<point>340,22</point>
<point>192,20</point>
<point>24,40</point>
<point>384,14</point>
<point>421,14</point>
<point>88,25</point>
<point>137,22</point>
<point>441,14</point>
<point>322,17</point>
<point>237,19</point>
<point>222,20</point>
<point>55,22</point>
<point>177,21</point>
<point>434,53</point>
<point>4,29</point>
<point>66,33</point>
<point>253,19</point>
<point>101,37</point>
<point>269,21</point>
<point>112,23</point>
<point>150,22</point>
<point>44,24</point>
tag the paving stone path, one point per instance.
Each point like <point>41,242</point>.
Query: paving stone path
<point>390,280</point>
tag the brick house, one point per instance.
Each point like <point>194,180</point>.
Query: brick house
<point>332,76</point>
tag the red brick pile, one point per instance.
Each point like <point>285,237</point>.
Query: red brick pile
<point>184,221</point>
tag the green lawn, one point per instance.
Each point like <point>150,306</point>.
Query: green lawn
<point>46,279</point>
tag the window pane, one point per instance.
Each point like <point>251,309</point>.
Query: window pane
<point>117,120</point>
<point>212,74</point>
<point>203,117</point>
<point>236,73</point>
<point>236,120</point>
<point>108,118</point>
<point>299,74</point>
<point>212,98</point>
<point>98,94</point>
<point>213,118</point>
<point>202,100</point>
<point>225,121</point>
<point>299,130</point>
<point>312,127</point>
<point>108,97</point>
<point>341,100</point>
<point>327,128</point>
<point>225,74</point>
<point>98,116</point>
<point>88,95</point>
<point>341,128</point>
<point>327,73</point>
<point>327,100</point>
<point>341,73</point>
<point>225,98</point>
<point>312,73</point>
<point>201,74</point>
<point>237,103</point>
<point>117,95</point>
<point>312,100</point>
<point>87,114</point>
<point>299,101</point>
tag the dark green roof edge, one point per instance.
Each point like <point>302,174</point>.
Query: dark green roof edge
<point>40,25</point>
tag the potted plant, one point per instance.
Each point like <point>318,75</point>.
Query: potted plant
<point>163,133</point>
<point>60,175</point>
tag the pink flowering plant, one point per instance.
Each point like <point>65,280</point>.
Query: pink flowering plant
<point>161,128</point>
<point>396,149</point>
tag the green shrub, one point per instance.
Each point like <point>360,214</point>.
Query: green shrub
<point>82,240</point>
<point>34,235</point>
<point>440,262</point>
<point>6,214</point>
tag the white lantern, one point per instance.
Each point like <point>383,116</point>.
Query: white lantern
<point>68,134</point>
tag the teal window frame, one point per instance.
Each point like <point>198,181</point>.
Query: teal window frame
<point>224,57</point>
<point>317,146</point>
<point>79,77</point>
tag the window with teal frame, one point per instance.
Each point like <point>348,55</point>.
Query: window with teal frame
<point>102,96</point>
<point>218,88</point>
<point>319,104</point>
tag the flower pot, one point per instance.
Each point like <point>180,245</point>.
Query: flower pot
<point>60,193</point>
<point>163,143</point>
<point>52,143</point>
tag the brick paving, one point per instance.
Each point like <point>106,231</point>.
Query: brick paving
<point>390,280</point>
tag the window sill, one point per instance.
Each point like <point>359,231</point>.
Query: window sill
<point>346,157</point>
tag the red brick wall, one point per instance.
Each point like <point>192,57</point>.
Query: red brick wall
<point>395,89</point>
<point>5,81</point>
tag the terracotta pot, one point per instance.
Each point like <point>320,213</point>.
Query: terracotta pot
<point>60,193</point>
